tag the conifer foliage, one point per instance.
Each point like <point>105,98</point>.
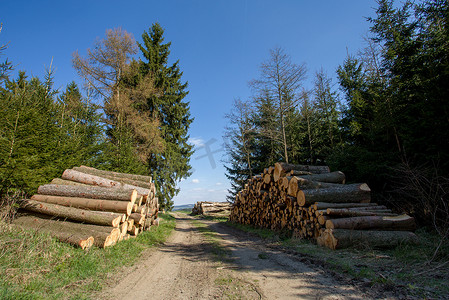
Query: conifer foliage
<point>169,107</point>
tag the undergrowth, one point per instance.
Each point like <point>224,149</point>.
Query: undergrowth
<point>36,266</point>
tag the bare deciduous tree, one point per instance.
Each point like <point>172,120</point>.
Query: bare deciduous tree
<point>282,80</point>
<point>103,66</point>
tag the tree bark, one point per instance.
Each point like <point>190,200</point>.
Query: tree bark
<point>346,193</point>
<point>403,222</point>
<point>93,192</point>
<point>325,205</point>
<point>281,169</point>
<point>70,235</point>
<point>76,214</point>
<point>120,178</point>
<point>100,181</point>
<point>103,236</point>
<point>332,177</point>
<point>124,175</point>
<point>61,181</point>
<point>86,203</point>
<point>343,238</point>
<point>345,212</point>
<point>297,183</point>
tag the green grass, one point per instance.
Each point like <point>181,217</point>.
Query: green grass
<point>416,269</point>
<point>220,253</point>
<point>36,266</point>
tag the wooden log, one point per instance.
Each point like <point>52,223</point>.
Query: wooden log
<point>69,232</point>
<point>91,192</point>
<point>61,181</point>
<point>143,178</point>
<point>345,212</point>
<point>298,173</point>
<point>109,175</point>
<point>402,222</point>
<point>86,203</point>
<point>76,214</point>
<point>345,193</point>
<point>94,180</point>
<point>331,177</point>
<point>138,218</point>
<point>104,239</point>
<point>281,169</point>
<point>297,183</point>
<point>74,239</point>
<point>344,238</point>
<point>326,205</point>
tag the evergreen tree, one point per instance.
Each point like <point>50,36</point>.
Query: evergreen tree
<point>28,134</point>
<point>282,80</point>
<point>268,143</point>
<point>80,130</point>
<point>240,147</point>
<point>5,66</point>
<point>327,115</point>
<point>169,107</point>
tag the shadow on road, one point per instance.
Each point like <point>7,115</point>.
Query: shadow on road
<point>279,274</point>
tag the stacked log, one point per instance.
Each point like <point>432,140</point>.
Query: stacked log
<point>314,203</point>
<point>87,207</point>
<point>208,208</point>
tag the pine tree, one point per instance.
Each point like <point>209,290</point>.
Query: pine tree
<point>327,115</point>
<point>169,107</point>
<point>282,79</point>
<point>240,147</point>
<point>268,143</point>
<point>80,130</point>
<point>28,134</point>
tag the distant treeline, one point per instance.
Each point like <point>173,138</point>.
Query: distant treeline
<point>386,121</point>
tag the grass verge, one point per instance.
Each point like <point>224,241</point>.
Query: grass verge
<point>220,253</point>
<point>413,270</point>
<point>36,266</point>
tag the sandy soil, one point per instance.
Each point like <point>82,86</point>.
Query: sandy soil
<point>185,267</point>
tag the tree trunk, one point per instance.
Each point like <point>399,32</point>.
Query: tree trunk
<point>343,238</point>
<point>123,175</point>
<point>297,183</point>
<point>103,236</point>
<point>403,222</point>
<point>67,182</point>
<point>86,203</point>
<point>346,193</point>
<point>281,169</point>
<point>76,214</point>
<point>332,177</point>
<point>93,192</point>
<point>345,212</point>
<point>325,205</point>
<point>100,181</point>
<point>110,175</point>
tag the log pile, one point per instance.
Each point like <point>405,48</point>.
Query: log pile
<point>87,207</point>
<point>208,208</point>
<point>314,203</point>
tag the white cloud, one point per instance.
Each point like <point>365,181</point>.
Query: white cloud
<point>219,183</point>
<point>195,180</point>
<point>197,142</point>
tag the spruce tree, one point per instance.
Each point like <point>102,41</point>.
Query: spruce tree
<point>169,107</point>
<point>240,147</point>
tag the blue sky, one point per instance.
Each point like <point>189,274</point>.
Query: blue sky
<point>220,46</point>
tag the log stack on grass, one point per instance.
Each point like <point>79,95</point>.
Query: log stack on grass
<point>208,208</point>
<point>87,207</point>
<point>315,203</point>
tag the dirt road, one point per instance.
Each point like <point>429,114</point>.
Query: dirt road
<point>188,266</point>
